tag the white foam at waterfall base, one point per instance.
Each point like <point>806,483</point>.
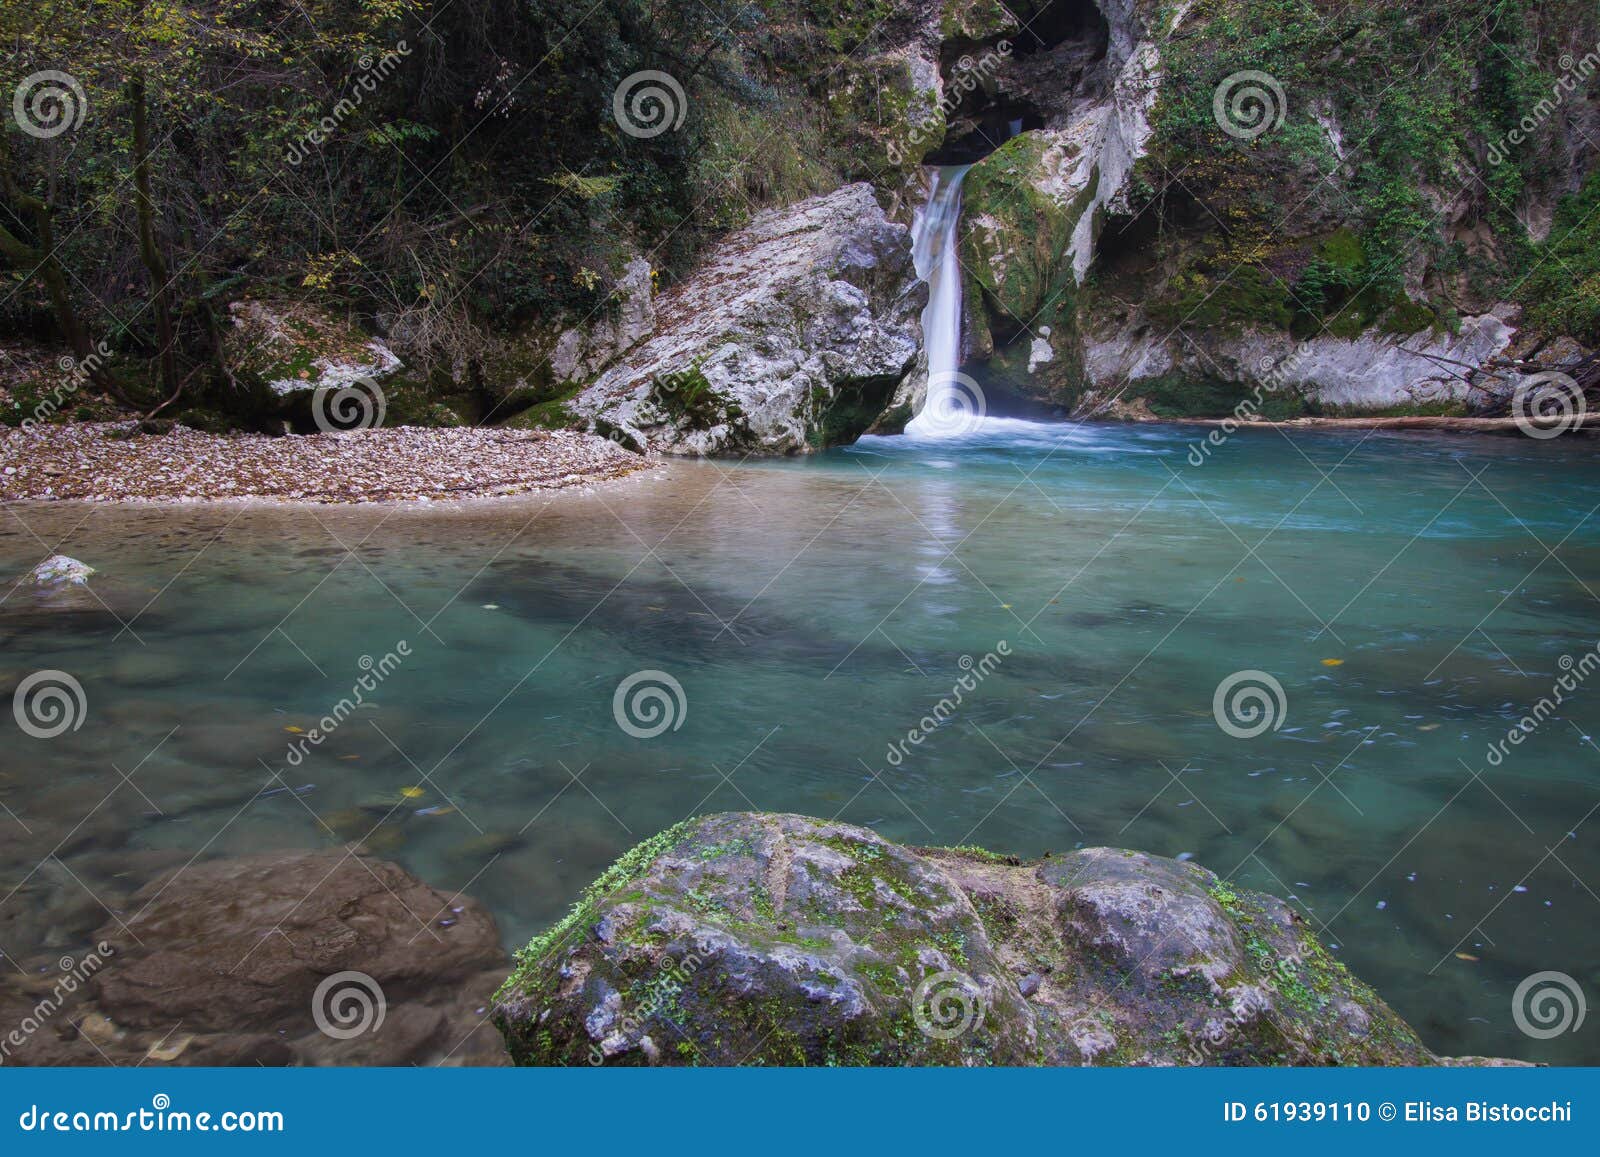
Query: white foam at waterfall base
<point>948,408</point>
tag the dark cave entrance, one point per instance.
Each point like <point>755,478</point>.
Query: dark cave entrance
<point>982,110</point>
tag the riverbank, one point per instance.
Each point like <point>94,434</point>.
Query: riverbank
<point>1585,424</point>
<point>117,461</point>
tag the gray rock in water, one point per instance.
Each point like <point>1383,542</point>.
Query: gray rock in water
<point>792,335</point>
<point>777,939</point>
<point>59,570</point>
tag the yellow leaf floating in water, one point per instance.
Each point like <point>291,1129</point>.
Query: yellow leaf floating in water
<point>349,757</point>
<point>1428,727</point>
<point>296,730</point>
<point>412,793</point>
<point>169,1050</point>
<point>1467,956</point>
<point>1333,662</point>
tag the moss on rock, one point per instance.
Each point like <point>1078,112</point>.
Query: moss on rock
<point>778,939</point>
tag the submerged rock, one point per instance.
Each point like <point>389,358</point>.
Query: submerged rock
<point>58,590</point>
<point>792,335</point>
<point>58,570</point>
<point>750,938</point>
<point>321,957</point>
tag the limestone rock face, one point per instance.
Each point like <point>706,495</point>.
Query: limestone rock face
<point>790,336</point>
<point>579,354</point>
<point>293,348</point>
<point>1375,370</point>
<point>752,938</point>
<point>1035,206</point>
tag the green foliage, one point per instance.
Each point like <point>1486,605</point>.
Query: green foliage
<point>1420,91</point>
<point>1562,291</point>
<point>1206,297</point>
<point>459,158</point>
<point>1185,396</point>
<point>687,397</point>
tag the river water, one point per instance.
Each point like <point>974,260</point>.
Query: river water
<point>1087,588</point>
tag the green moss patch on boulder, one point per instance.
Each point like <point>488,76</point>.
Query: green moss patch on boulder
<point>753,938</point>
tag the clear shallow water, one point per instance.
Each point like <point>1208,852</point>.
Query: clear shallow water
<point>813,612</point>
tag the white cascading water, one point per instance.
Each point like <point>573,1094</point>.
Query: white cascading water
<point>953,405</point>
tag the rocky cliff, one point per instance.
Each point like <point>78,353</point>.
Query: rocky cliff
<point>1222,200</point>
<point>792,335</point>
<point>1174,209</point>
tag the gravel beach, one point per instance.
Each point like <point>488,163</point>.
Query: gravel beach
<point>114,461</point>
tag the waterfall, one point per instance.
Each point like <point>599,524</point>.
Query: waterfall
<point>951,406</point>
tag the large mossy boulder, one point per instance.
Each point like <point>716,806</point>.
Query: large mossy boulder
<point>751,938</point>
<point>790,336</point>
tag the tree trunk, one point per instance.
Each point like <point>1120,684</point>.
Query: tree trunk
<point>47,267</point>
<point>149,250</point>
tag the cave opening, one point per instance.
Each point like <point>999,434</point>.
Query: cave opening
<point>986,92</point>
<point>1047,26</point>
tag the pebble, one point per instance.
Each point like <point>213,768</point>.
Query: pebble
<point>105,462</point>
